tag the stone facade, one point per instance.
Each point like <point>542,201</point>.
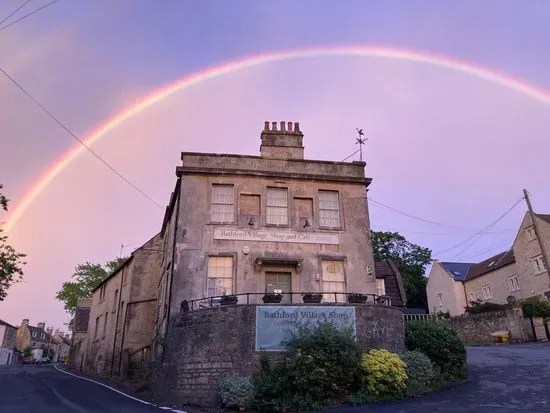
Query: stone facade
<point>123,311</point>
<point>533,282</point>
<point>79,327</point>
<point>250,224</point>
<point>445,294</point>
<point>495,286</point>
<point>7,343</point>
<point>205,345</point>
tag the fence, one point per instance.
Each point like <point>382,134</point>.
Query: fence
<point>422,317</point>
<point>321,297</point>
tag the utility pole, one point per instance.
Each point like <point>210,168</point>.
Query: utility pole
<point>537,233</point>
<point>361,141</point>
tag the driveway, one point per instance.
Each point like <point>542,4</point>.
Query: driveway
<point>504,379</point>
<point>43,389</point>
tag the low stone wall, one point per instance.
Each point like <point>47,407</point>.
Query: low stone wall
<point>204,345</point>
<point>477,328</point>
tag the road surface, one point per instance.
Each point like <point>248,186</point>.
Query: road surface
<point>43,389</point>
<point>504,379</point>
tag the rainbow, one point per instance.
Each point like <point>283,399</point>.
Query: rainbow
<point>186,82</point>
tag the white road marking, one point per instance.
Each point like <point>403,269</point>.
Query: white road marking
<point>118,391</point>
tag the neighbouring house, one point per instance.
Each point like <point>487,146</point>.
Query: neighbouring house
<point>389,282</point>
<point>445,288</point>
<point>62,346</point>
<point>275,223</point>
<point>79,328</point>
<point>8,352</point>
<point>493,279</point>
<point>122,314</point>
<point>32,337</point>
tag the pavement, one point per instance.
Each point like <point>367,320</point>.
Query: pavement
<point>503,379</point>
<point>44,389</point>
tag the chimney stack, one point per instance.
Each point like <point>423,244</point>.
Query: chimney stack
<point>41,326</point>
<point>49,330</point>
<point>67,336</point>
<point>284,142</point>
<point>25,322</point>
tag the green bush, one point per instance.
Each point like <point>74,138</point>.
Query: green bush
<point>323,365</point>
<point>536,307</point>
<point>441,344</point>
<point>479,307</point>
<point>385,374</point>
<point>236,391</point>
<point>420,372</point>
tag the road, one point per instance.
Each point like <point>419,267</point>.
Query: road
<point>504,379</point>
<point>43,389</point>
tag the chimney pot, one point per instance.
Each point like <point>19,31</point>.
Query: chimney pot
<point>296,127</point>
<point>25,321</point>
<point>274,126</point>
<point>289,126</point>
<point>41,326</point>
<point>266,125</point>
<point>283,126</point>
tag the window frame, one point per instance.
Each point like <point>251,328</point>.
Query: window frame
<point>511,287</point>
<point>486,292</point>
<point>530,231</point>
<point>539,265</point>
<point>320,210</point>
<point>232,277</point>
<point>440,299</point>
<point>383,282</point>
<point>267,206</point>
<point>212,203</point>
<point>332,297</point>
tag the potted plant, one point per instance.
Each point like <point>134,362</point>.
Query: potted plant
<point>312,298</point>
<point>272,298</point>
<point>228,299</point>
<point>357,298</point>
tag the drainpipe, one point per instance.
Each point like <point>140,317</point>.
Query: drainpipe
<point>172,269</point>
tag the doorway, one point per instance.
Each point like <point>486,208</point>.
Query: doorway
<point>279,282</point>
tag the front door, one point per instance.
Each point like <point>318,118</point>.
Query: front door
<point>279,282</point>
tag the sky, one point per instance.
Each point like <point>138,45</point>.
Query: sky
<point>443,145</point>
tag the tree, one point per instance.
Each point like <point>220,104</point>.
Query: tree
<point>11,262</point>
<point>87,277</point>
<point>410,259</point>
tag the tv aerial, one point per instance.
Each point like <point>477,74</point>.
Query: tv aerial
<point>361,141</point>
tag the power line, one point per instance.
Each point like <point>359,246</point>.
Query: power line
<point>486,250</point>
<point>478,234</point>
<point>28,14</point>
<point>345,159</point>
<point>104,162</point>
<point>13,12</point>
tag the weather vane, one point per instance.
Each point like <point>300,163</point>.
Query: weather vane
<point>361,141</point>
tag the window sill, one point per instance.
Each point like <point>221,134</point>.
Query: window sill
<point>332,229</point>
<point>277,225</point>
<point>221,223</point>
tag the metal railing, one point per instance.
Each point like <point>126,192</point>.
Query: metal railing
<point>322,297</point>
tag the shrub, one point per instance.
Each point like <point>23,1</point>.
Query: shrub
<point>385,375</point>
<point>536,307</point>
<point>323,365</point>
<point>420,372</point>
<point>479,307</point>
<point>236,391</point>
<point>441,344</point>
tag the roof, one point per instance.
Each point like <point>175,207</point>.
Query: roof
<point>544,217</point>
<point>2,322</point>
<point>458,270</point>
<point>393,284</point>
<point>39,332</point>
<point>490,264</point>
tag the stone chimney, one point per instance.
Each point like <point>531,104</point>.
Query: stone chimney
<point>283,141</point>
<point>57,333</point>
<point>41,326</point>
<point>67,336</point>
<point>25,322</point>
<point>49,330</point>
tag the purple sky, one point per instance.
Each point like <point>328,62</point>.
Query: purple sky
<point>443,145</point>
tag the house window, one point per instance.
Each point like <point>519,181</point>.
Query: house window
<point>329,209</point>
<point>102,293</point>
<point>96,328</point>
<point>472,297</point>
<point>333,280</point>
<point>115,302</point>
<point>440,299</point>
<point>538,264</point>
<point>486,291</point>
<point>277,206</point>
<point>530,233</point>
<point>223,199</point>
<point>513,283</point>
<point>34,334</point>
<point>380,286</point>
<point>220,276</point>
<point>105,324</point>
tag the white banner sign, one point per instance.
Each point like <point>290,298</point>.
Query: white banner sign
<point>276,236</point>
<point>277,324</point>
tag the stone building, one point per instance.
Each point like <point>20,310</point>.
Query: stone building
<point>79,327</point>
<point>274,223</point>
<point>122,312</point>
<point>445,288</point>
<point>32,337</point>
<point>7,343</point>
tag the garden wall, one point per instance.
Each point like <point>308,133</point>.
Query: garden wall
<point>204,345</point>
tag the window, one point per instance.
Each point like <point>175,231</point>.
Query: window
<point>538,264</point>
<point>115,302</point>
<point>380,286</point>
<point>102,293</point>
<point>333,280</point>
<point>96,328</point>
<point>530,233</point>
<point>220,276</point>
<point>34,334</point>
<point>440,299</point>
<point>277,206</point>
<point>513,283</point>
<point>105,324</point>
<point>329,209</point>
<point>223,198</point>
<point>486,291</point>
<point>472,297</point>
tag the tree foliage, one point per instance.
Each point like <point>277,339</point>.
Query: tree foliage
<point>87,277</point>
<point>410,259</point>
<point>11,261</point>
